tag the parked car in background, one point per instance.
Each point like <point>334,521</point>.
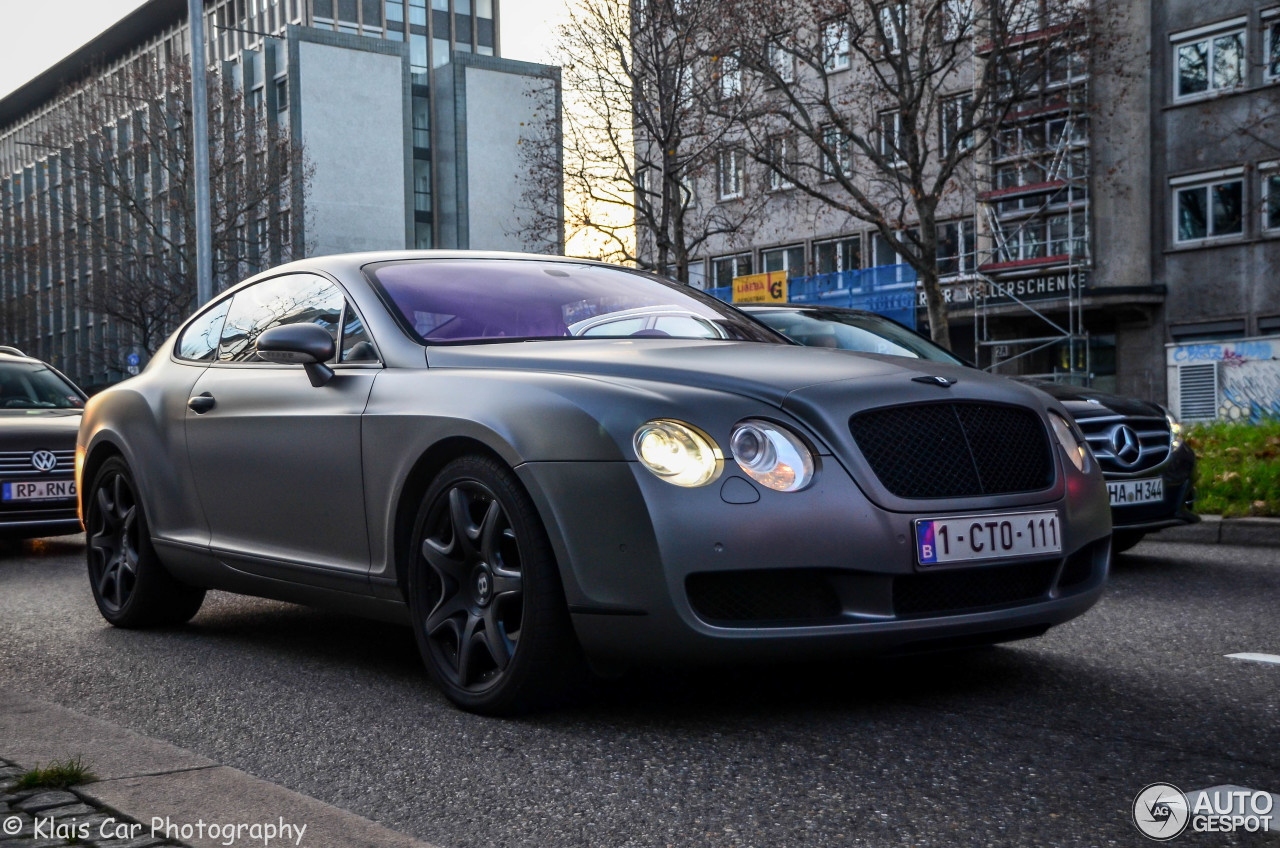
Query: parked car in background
<point>1149,469</point>
<point>40,413</point>
<point>523,496</point>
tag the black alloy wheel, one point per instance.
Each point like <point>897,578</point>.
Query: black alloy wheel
<point>130,585</point>
<point>488,610</point>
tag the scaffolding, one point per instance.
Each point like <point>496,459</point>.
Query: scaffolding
<point>1036,218</point>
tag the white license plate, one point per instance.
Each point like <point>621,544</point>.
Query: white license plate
<point>1125,492</point>
<point>40,490</point>
<point>985,537</point>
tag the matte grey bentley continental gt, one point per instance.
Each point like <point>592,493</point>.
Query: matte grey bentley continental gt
<point>420,437</point>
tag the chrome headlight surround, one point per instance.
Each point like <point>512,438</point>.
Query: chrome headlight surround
<point>1076,448</point>
<point>772,455</point>
<point>678,452</point>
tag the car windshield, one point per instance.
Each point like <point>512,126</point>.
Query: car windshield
<point>34,385</point>
<point>469,300</point>
<point>861,331</point>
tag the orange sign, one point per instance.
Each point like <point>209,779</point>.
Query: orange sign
<point>769,287</point>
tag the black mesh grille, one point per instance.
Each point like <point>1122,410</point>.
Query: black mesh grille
<point>919,595</point>
<point>955,450</point>
<point>762,597</point>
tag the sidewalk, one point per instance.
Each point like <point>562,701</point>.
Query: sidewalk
<point>188,799</point>
<point>1216,530</point>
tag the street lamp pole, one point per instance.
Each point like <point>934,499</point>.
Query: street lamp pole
<point>200,146</point>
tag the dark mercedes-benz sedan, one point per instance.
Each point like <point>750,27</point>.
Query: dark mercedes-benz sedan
<point>1149,469</point>
<point>39,415</point>
<point>419,436</point>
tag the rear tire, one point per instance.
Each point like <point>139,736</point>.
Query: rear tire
<point>1123,540</point>
<point>130,585</point>
<point>488,609</point>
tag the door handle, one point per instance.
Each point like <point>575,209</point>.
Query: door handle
<point>202,403</point>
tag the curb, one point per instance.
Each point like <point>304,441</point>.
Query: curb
<point>1216,530</point>
<point>147,779</point>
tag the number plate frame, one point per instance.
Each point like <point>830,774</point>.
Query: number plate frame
<point>9,496</point>
<point>926,533</point>
<point>1141,496</point>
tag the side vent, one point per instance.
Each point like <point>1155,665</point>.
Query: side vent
<point>1198,392</point>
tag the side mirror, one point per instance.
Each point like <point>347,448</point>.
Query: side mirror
<point>308,345</point>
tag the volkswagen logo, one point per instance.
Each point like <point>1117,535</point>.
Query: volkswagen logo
<point>1125,445</point>
<point>44,461</point>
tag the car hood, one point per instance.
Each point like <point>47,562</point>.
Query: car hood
<point>1090,403</point>
<point>764,371</point>
<point>38,429</point>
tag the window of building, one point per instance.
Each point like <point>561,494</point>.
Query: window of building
<point>1206,62</point>
<point>484,8</point>
<point>1271,197</point>
<point>837,142</point>
<point>395,11</point>
<point>421,122</point>
<point>439,52</point>
<point>728,76</point>
<point>421,185</point>
<point>371,12</point>
<point>418,54</point>
<point>731,173</point>
<point>724,269</point>
<point>779,163</point>
<point>282,94</point>
<point>956,122</point>
<point>891,135</point>
<point>789,259</point>
<point>843,254</point>
<point>1208,207</point>
<point>418,13</point>
<point>957,19</point>
<point>835,44</point>
<point>423,238</point>
<point>781,61</point>
<point>1208,331</point>
<point>957,247</point>
<point>895,22</point>
<point>1271,44</point>
<point>323,12</point>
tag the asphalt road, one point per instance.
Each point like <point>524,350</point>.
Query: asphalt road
<point>1043,742</point>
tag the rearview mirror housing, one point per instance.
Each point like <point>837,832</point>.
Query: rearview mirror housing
<point>308,345</point>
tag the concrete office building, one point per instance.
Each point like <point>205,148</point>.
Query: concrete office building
<point>410,120</point>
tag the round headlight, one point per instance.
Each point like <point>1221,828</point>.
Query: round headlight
<point>1067,438</point>
<point>678,453</point>
<point>772,455</point>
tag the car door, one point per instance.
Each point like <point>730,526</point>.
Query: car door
<point>276,460</point>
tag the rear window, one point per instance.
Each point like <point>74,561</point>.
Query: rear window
<point>472,300</point>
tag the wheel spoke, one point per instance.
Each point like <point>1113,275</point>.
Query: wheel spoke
<point>489,533</point>
<point>441,557</point>
<point>444,616</point>
<point>117,491</point>
<point>105,578</point>
<point>101,541</point>
<point>467,645</point>
<point>119,583</point>
<point>105,506</point>
<point>496,640</point>
<point>506,582</point>
<point>465,531</point>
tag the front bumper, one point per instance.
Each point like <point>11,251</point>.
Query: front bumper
<point>654,572</point>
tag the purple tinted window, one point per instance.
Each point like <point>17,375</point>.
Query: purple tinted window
<point>463,300</point>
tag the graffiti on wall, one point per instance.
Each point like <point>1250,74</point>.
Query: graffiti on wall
<point>1248,375</point>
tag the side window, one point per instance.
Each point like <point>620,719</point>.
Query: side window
<point>294,299</point>
<point>356,346</point>
<point>200,340</point>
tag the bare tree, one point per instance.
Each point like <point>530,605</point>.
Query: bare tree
<point>878,109</point>
<point>123,141</point>
<point>638,136</point>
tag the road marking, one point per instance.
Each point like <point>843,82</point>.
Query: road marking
<point>1263,658</point>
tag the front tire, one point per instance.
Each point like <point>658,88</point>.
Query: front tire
<point>485,597</point>
<point>130,585</point>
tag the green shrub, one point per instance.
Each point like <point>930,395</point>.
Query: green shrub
<point>1238,467</point>
<point>56,775</point>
